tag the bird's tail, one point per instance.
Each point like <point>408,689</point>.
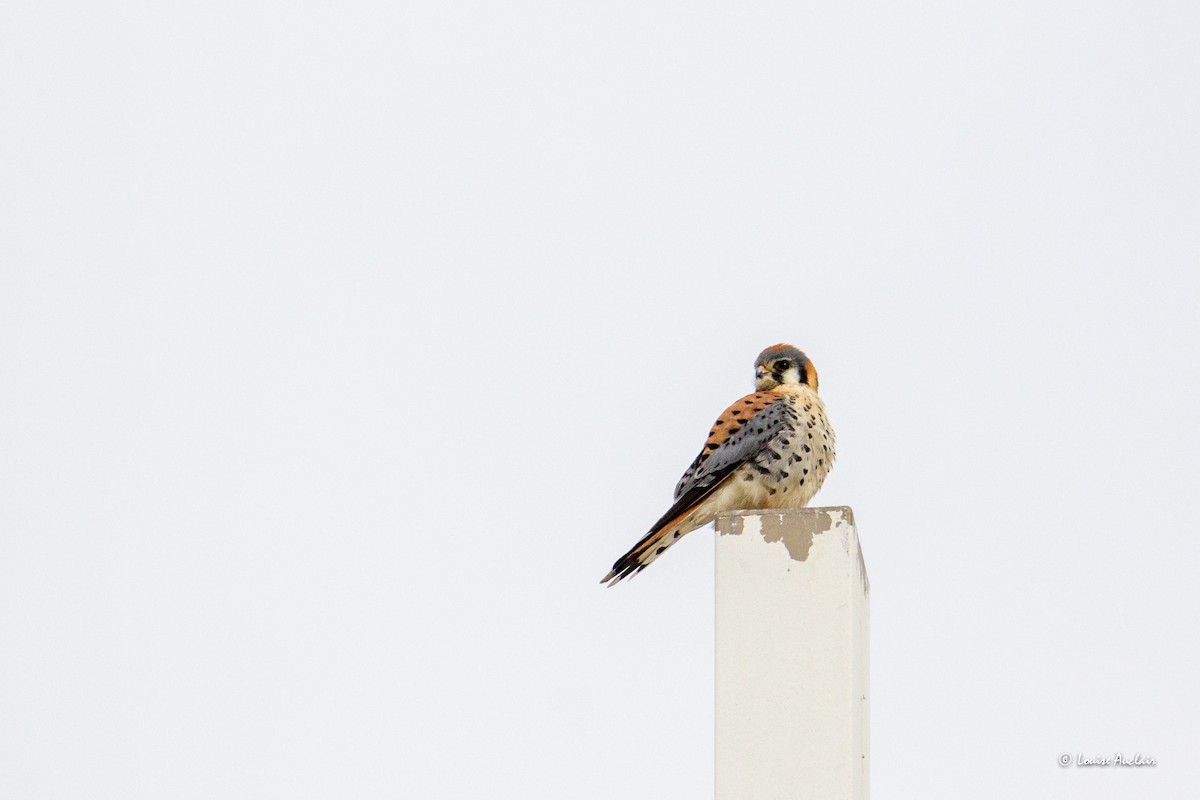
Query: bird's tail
<point>650,547</point>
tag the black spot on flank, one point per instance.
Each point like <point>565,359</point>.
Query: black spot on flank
<point>675,535</point>
<point>718,422</point>
<point>802,481</point>
<point>821,462</point>
<point>736,412</point>
<point>761,470</point>
<point>807,449</point>
<point>748,402</point>
<point>810,424</point>
<point>770,491</point>
<point>808,408</point>
<point>659,551</point>
<point>805,471</point>
<point>747,477</point>
<point>783,473</point>
<point>810,436</point>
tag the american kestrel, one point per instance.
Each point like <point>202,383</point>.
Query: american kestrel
<point>771,449</point>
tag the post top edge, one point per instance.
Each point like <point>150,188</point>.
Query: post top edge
<point>846,511</point>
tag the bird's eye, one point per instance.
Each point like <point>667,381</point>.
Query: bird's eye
<point>783,366</point>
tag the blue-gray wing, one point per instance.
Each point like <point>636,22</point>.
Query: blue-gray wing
<point>745,430</point>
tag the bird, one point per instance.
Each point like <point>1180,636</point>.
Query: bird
<point>770,449</point>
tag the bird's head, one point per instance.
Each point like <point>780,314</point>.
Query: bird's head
<point>780,364</point>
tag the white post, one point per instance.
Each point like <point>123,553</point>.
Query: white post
<point>792,656</point>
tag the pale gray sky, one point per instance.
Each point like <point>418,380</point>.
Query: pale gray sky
<point>345,346</point>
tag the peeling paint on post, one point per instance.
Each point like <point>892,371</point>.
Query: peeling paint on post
<point>792,656</point>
